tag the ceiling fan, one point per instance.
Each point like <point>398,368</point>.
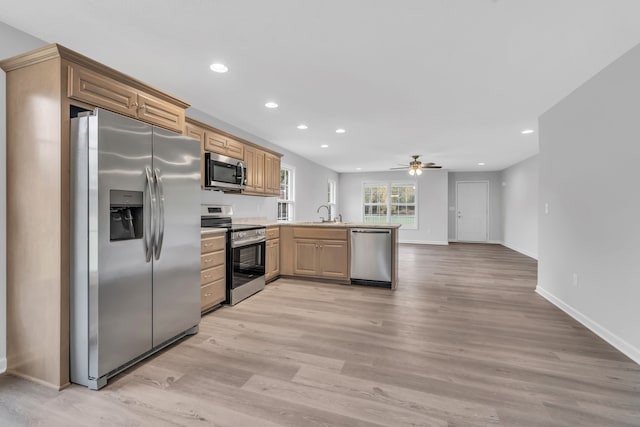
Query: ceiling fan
<point>415,166</point>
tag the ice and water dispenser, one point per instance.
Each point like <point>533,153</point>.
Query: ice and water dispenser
<point>126,215</point>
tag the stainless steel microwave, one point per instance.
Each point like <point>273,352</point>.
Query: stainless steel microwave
<point>225,173</point>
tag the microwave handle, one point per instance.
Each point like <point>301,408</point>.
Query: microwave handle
<point>242,174</point>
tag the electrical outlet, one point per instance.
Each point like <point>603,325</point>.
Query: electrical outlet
<point>575,280</point>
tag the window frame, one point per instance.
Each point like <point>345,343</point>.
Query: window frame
<point>290,200</point>
<point>388,204</point>
<point>332,195</point>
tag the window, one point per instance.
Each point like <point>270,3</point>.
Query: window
<point>390,203</point>
<point>286,201</point>
<point>331,196</point>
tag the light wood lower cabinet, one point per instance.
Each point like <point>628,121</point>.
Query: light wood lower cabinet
<point>321,258</point>
<point>272,267</point>
<point>213,271</point>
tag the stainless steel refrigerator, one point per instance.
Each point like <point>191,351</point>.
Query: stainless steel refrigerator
<point>135,242</point>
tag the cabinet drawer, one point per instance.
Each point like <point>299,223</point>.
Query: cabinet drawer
<point>212,259</point>
<point>92,88</point>
<point>212,274</point>
<point>273,233</point>
<point>211,244</point>
<point>213,293</point>
<point>324,233</point>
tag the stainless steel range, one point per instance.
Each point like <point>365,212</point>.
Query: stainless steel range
<point>245,252</point>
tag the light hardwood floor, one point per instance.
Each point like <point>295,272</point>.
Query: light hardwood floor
<point>464,341</point>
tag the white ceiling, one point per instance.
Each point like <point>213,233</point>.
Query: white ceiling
<point>453,80</point>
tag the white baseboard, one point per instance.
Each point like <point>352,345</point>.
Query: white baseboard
<point>522,251</point>
<point>491,242</point>
<point>425,242</point>
<point>3,364</point>
<point>629,350</point>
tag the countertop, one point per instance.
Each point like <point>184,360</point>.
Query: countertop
<point>271,223</point>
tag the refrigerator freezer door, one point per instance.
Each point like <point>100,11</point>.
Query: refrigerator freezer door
<point>120,279</point>
<point>176,263</point>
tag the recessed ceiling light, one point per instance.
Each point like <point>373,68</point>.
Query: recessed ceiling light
<point>340,130</point>
<point>219,68</point>
<point>324,146</point>
<point>481,164</point>
<point>358,169</point>
<point>303,127</point>
<point>527,131</point>
<point>271,104</point>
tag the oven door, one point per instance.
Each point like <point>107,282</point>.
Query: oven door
<point>247,263</point>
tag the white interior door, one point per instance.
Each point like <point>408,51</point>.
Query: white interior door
<point>472,211</point>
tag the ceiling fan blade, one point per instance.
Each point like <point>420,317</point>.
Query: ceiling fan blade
<point>428,164</point>
<point>404,167</point>
<point>432,167</point>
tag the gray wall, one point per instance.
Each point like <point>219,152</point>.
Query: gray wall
<point>13,43</point>
<point>520,207</point>
<point>588,158</point>
<point>431,198</point>
<point>310,180</point>
<point>495,201</point>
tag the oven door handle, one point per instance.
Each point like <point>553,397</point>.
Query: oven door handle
<point>248,242</point>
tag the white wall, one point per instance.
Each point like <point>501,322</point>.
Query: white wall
<point>495,201</point>
<point>13,43</point>
<point>589,155</point>
<point>431,197</point>
<point>520,207</point>
<point>310,180</point>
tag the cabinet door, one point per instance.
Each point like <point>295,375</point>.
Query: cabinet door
<point>334,262</point>
<point>215,143</point>
<point>276,257</point>
<point>250,160</point>
<point>160,113</point>
<point>272,174</point>
<point>95,89</point>
<point>196,132</point>
<point>259,171</point>
<point>305,263</point>
<point>272,259</point>
<point>234,149</point>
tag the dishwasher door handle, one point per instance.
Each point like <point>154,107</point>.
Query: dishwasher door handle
<point>370,231</point>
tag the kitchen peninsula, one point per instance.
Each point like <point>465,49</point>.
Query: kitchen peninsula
<point>323,250</point>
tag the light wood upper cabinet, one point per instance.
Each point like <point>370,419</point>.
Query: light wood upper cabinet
<point>90,87</point>
<point>221,144</point>
<point>93,88</point>
<point>155,111</point>
<point>263,165</point>
<point>271,174</point>
<point>196,132</point>
<point>254,158</point>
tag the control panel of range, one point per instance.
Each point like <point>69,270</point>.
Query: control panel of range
<point>245,237</point>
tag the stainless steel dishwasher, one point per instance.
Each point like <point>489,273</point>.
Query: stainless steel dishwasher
<point>371,256</point>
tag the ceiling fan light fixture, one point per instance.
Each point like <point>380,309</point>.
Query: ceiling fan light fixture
<point>418,171</point>
<point>412,172</point>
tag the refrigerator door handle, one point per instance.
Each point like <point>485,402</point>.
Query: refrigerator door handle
<point>159,237</point>
<point>149,232</point>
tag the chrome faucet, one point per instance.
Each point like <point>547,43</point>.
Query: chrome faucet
<point>328,212</point>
